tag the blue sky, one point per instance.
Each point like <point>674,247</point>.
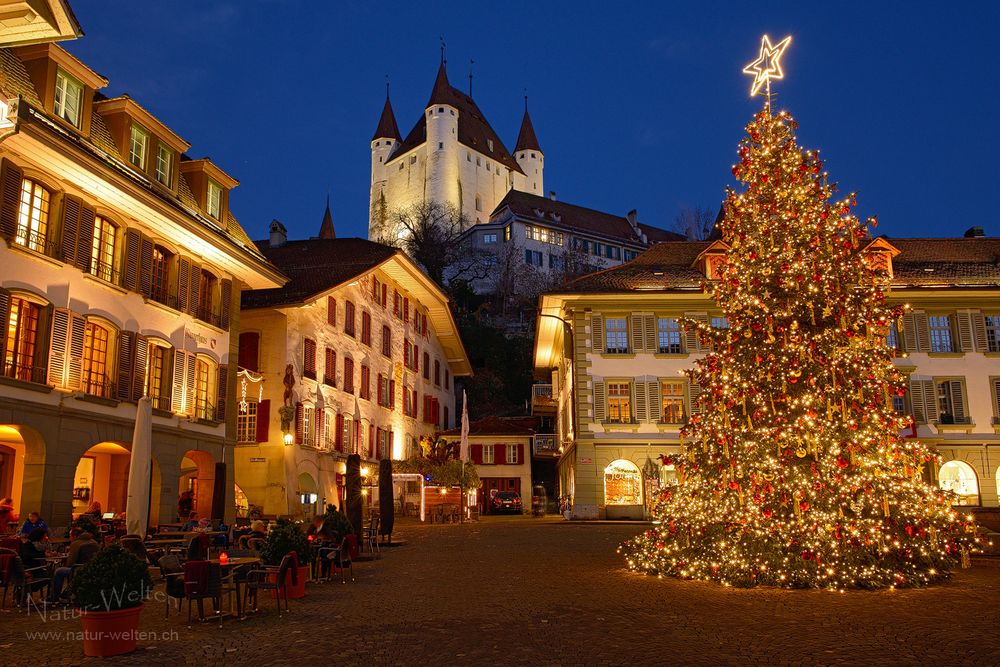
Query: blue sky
<point>636,105</point>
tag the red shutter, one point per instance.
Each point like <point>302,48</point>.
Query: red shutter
<point>423,326</point>
<point>226,291</point>
<point>222,393</point>
<point>406,309</point>
<point>392,394</point>
<point>249,350</point>
<point>357,434</point>
<point>388,444</point>
<point>338,437</point>
<point>381,397</point>
<point>520,453</point>
<point>331,311</point>
<point>476,452</point>
<point>371,441</point>
<point>298,424</point>
<point>11,199</point>
<point>499,454</point>
<point>263,420</point>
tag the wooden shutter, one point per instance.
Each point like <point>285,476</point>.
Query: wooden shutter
<point>694,391</point>
<point>193,291</point>
<point>638,339</point>
<point>520,452</point>
<point>957,393</point>
<point>126,365</point>
<point>183,285</point>
<point>641,406</point>
<point>299,424</point>
<point>319,415</point>
<point>70,244</point>
<point>371,439</point>
<point>917,404</point>
<point>499,454</point>
<point>702,318</point>
<point>222,393</point>
<point>651,334</point>
<point>379,392</point>
<point>74,351</point>
<point>177,397</point>
<point>979,332</point>
<point>909,332</point>
<point>190,395</point>
<point>653,398</point>
<point>4,323</point>
<point>226,291</point>
<point>597,333</point>
<point>338,437</point>
<point>923,332</point>
<point>140,361</point>
<point>996,400</point>
<point>600,402</point>
<point>85,247</point>
<point>331,311</point>
<point>965,339</point>
<point>263,420</point>
<point>130,259</point>
<point>145,266</point>
<point>392,394</point>
<point>11,198</point>
<point>476,453</point>
<point>57,347</point>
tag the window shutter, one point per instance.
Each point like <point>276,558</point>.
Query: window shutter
<point>638,342</point>
<point>694,391</point>
<point>70,245</point>
<point>909,332</point>
<point>520,453</point>
<point>145,266</point>
<point>476,453</point>
<point>600,402</point>
<point>923,332</point>
<point>299,424</point>
<point>690,334</point>
<point>996,401</point>
<point>338,436</point>
<point>957,400</point>
<point>226,291</point>
<point>653,397</point>
<point>193,291</point>
<point>249,347</point>
<point>702,319</point>
<point>652,340</point>
<point>979,332</point>
<point>392,394</point>
<point>130,260</point>
<point>4,320</point>
<point>57,347</point>
<point>84,248</point>
<point>499,454</point>
<point>641,409</point>
<point>357,436</point>
<point>126,365</point>
<point>964,321</point>
<point>263,420</point>
<point>597,333</point>
<point>371,441</point>
<point>74,351</point>
<point>917,402</point>
<point>331,311</point>
<point>380,396</point>
<point>189,392</point>
<point>222,393</point>
<point>183,284</point>
<point>141,357</point>
<point>177,397</point>
<point>11,202</point>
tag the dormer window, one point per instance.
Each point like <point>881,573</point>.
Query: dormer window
<point>164,164</point>
<point>489,142</point>
<point>138,146</point>
<point>214,200</point>
<point>68,98</point>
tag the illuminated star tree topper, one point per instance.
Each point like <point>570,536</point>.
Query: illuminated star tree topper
<point>767,66</point>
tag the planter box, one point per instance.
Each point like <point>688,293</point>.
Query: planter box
<point>107,633</point>
<point>295,591</point>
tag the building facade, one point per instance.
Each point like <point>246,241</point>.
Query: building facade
<point>122,269</point>
<point>357,354</point>
<point>611,348</point>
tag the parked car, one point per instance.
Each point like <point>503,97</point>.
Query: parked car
<point>506,501</point>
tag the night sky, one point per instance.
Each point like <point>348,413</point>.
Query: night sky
<point>636,105</point>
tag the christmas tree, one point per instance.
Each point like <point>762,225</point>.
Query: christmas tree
<point>793,473</point>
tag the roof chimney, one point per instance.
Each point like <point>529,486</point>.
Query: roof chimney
<point>974,233</point>
<point>279,235</point>
<point>552,195</point>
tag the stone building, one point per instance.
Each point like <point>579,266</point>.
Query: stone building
<point>356,354</point>
<point>610,350</point>
<point>121,269</point>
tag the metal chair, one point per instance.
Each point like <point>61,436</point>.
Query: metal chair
<point>203,580</point>
<point>257,580</point>
<point>338,556</point>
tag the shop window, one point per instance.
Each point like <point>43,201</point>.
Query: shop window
<point>622,483</point>
<point>959,478</point>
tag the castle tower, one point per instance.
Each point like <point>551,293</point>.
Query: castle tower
<point>529,156</point>
<point>326,230</point>
<point>384,141</point>
<point>442,113</point>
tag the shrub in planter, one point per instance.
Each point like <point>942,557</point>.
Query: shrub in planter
<point>110,590</point>
<point>282,540</point>
<point>337,522</point>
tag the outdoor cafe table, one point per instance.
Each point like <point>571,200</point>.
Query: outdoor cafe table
<point>227,567</point>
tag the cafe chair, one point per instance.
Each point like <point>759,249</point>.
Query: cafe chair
<point>338,557</point>
<point>203,580</point>
<point>258,580</point>
<point>172,576</point>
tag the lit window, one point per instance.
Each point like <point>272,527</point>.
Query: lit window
<point>951,402</point>
<point>246,424</point>
<point>156,367</point>
<point>203,381</point>
<point>164,164</point>
<point>489,239</point>
<point>329,439</point>
<point>308,424</point>
<point>616,333</point>
<point>993,333</point>
<point>941,338</point>
<point>33,215</point>
<point>622,483</point>
<point>138,146</point>
<point>488,454</point>
<point>959,478</point>
<point>22,335</point>
<point>102,257</point>
<point>95,360</point>
<point>159,271</point>
<point>672,401</point>
<point>206,291</point>
<point>214,203</point>
<point>512,454</point>
<point>69,98</point>
<point>669,332</point>
<point>619,402</point>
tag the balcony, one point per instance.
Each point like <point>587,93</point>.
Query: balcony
<point>545,445</point>
<point>542,402</point>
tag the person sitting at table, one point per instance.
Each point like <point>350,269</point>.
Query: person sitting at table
<point>33,550</point>
<point>320,530</point>
<point>82,548</point>
<point>95,511</point>
<point>33,521</point>
<point>184,505</point>
<point>191,524</point>
<point>7,514</point>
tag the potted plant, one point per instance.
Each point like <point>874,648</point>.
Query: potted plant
<point>337,522</point>
<point>110,590</point>
<point>282,540</point>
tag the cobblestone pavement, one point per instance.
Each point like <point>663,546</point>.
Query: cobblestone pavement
<point>543,592</point>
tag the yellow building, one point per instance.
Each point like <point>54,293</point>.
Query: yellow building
<point>611,348</point>
<point>121,269</point>
<point>356,354</point>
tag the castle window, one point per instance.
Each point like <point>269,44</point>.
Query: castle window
<point>478,163</point>
<point>468,157</point>
<point>489,142</point>
<point>452,112</point>
<point>440,145</point>
<point>69,98</point>
<point>413,159</point>
<point>489,239</point>
<point>479,203</point>
<point>532,155</point>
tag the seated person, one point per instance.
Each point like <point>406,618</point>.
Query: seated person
<point>82,548</point>
<point>319,529</point>
<point>7,514</point>
<point>33,521</point>
<point>33,550</point>
<point>258,529</point>
<point>191,524</point>
<point>223,539</point>
<point>95,511</point>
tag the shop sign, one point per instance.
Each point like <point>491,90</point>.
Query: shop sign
<point>586,460</point>
<point>258,459</point>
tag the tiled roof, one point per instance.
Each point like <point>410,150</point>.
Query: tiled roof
<point>14,78</point>
<point>667,266</point>
<point>315,266</point>
<point>657,235</point>
<point>473,129</point>
<point>387,123</point>
<point>562,214</point>
<point>511,426</point>
<point>526,139</point>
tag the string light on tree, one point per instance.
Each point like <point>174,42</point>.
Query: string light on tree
<point>794,472</point>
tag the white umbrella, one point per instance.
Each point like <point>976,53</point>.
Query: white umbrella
<point>464,446</point>
<point>137,506</point>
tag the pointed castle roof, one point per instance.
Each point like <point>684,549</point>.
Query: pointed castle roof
<point>526,139</point>
<point>387,127</point>
<point>326,230</point>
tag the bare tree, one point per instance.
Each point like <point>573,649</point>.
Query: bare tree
<point>695,223</point>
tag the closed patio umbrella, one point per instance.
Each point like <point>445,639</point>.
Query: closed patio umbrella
<point>137,505</point>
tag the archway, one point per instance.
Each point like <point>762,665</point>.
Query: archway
<point>623,490</point>
<point>197,478</point>
<point>307,495</point>
<point>22,461</point>
<point>960,478</point>
<point>102,475</point>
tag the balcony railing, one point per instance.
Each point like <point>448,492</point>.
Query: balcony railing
<point>99,385</point>
<point>204,410</point>
<point>546,443</point>
<point>542,401</point>
<point>31,239</point>
<point>23,370</point>
<point>161,403</point>
<point>105,272</point>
